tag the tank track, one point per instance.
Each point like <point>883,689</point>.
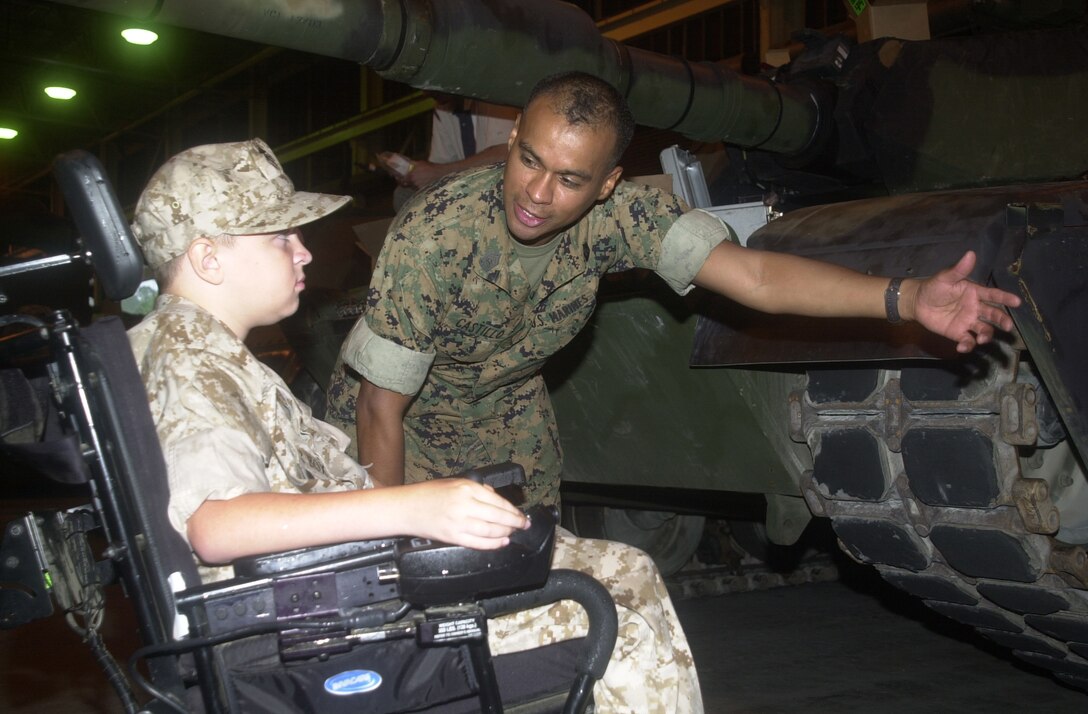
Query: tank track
<point>714,580</point>
<point>934,476</point>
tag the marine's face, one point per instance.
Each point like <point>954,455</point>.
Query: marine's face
<point>267,274</point>
<point>554,173</point>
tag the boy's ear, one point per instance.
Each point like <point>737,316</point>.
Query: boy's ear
<point>203,257</point>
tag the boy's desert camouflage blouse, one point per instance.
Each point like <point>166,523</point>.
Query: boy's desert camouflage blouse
<point>227,423</point>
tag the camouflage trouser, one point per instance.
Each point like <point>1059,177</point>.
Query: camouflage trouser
<point>651,670</point>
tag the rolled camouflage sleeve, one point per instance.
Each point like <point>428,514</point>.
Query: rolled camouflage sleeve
<point>686,246</point>
<point>392,345</point>
<point>383,362</point>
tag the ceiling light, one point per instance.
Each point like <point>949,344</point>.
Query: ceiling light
<point>139,36</point>
<point>6,133</point>
<point>60,92</point>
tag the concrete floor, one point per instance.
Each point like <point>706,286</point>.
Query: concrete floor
<point>855,645</point>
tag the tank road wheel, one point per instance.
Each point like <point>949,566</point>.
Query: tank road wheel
<point>669,538</point>
<point>956,481</point>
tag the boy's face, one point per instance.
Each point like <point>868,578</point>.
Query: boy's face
<point>264,274</point>
<point>554,173</point>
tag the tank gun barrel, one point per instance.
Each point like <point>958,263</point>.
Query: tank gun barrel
<point>497,49</point>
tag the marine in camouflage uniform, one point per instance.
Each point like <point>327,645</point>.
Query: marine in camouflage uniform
<point>229,425</point>
<point>452,315</point>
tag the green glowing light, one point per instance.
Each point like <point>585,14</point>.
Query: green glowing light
<point>139,36</point>
<point>60,92</point>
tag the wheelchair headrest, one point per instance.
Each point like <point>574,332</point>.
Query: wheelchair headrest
<point>101,223</point>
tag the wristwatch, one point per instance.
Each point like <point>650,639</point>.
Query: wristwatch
<point>891,300</point>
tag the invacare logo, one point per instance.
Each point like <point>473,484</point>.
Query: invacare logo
<point>353,681</point>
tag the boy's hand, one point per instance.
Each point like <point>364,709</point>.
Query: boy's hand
<point>462,512</point>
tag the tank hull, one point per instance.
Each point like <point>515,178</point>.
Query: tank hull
<point>959,478</point>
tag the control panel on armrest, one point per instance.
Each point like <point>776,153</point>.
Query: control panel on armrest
<point>433,573</point>
<point>344,576</point>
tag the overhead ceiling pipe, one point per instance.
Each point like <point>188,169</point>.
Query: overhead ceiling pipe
<point>497,50</point>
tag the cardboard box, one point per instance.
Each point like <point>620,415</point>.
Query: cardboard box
<point>903,19</point>
<point>370,236</point>
<point>659,181</point>
<point>777,57</point>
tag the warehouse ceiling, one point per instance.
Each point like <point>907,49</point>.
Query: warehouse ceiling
<point>121,88</point>
<point>135,105</point>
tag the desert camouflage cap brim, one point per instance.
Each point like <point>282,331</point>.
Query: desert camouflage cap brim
<point>235,188</point>
<point>278,215</point>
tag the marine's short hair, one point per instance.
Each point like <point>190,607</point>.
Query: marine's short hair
<point>583,98</point>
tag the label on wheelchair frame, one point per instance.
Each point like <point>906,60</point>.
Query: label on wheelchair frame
<point>453,629</point>
<point>353,681</point>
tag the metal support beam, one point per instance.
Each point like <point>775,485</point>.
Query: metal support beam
<point>653,16</point>
<point>358,125</point>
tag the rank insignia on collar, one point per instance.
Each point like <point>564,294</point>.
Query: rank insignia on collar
<point>489,260</point>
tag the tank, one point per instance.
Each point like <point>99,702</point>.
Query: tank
<point>961,479</point>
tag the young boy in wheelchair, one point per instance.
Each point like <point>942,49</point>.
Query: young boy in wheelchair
<point>251,471</point>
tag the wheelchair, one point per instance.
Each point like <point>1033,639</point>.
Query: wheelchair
<point>393,625</point>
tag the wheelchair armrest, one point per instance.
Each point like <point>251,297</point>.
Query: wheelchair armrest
<point>433,573</point>
<point>421,562</point>
<point>421,572</point>
<point>261,566</point>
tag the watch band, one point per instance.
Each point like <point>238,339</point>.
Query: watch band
<point>891,300</point>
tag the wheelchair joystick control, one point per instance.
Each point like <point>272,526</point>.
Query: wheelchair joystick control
<point>506,478</point>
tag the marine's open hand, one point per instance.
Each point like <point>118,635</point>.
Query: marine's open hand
<point>963,311</point>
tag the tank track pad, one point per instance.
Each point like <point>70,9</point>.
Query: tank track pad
<point>945,480</point>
